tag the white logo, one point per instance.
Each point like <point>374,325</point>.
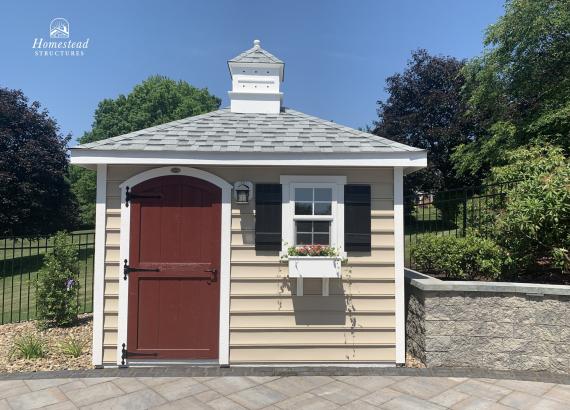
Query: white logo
<point>59,28</point>
<point>60,44</point>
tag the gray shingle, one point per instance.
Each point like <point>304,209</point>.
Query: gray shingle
<point>226,131</point>
<point>256,55</point>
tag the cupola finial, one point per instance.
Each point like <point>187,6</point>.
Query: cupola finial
<point>256,43</point>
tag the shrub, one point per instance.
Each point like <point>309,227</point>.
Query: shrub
<point>57,286</point>
<point>459,257</point>
<point>534,223</point>
<point>29,346</point>
<point>72,347</point>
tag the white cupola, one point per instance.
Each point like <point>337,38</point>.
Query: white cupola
<point>256,79</point>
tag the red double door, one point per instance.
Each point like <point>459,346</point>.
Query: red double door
<point>174,256</point>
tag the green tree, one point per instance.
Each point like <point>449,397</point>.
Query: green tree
<point>425,109</point>
<point>533,222</point>
<point>155,101</point>
<point>35,196</point>
<point>57,285</point>
<point>519,89</point>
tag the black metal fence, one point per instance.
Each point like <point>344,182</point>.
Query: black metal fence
<point>20,261</point>
<point>450,212</point>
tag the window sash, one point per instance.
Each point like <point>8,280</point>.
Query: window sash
<point>313,201</point>
<point>336,185</point>
<point>312,233</point>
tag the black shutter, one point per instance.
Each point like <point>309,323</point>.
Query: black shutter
<point>268,217</point>
<point>357,218</point>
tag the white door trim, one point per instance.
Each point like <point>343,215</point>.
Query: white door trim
<point>226,188</point>
<point>399,265</point>
<point>99,268</point>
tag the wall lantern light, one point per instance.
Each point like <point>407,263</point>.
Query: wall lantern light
<point>243,192</point>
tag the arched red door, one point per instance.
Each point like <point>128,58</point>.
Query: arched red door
<point>174,256</point>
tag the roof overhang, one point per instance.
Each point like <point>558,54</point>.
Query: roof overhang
<point>410,160</point>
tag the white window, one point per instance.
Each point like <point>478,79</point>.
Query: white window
<point>313,210</point>
<point>313,215</point>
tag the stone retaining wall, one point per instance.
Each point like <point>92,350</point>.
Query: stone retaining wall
<point>501,326</point>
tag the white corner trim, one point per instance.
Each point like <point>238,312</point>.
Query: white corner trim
<point>399,264</point>
<point>225,250</point>
<point>99,268</point>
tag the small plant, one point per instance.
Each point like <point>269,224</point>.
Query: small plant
<point>28,346</point>
<point>466,257</point>
<point>73,347</point>
<point>312,250</point>
<point>57,286</point>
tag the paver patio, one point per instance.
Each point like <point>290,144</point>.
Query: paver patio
<point>281,392</point>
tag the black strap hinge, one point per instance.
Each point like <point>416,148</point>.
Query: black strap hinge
<point>125,354</point>
<point>127,269</point>
<point>129,196</point>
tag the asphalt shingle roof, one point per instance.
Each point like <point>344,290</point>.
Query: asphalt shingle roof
<point>256,55</point>
<point>226,131</point>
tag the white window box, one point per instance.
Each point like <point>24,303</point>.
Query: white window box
<point>314,266</point>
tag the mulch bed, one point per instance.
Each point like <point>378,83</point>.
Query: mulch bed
<point>55,359</point>
<point>414,362</point>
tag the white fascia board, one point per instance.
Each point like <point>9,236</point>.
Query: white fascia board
<point>405,159</point>
<point>233,65</point>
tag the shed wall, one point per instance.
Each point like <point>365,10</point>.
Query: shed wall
<point>268,322</point>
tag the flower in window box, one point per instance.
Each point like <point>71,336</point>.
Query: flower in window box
<point>313,261</point>
<point>312,250</point>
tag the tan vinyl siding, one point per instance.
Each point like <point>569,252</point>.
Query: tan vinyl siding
<point>356,323</point>
<point>314,353</point>
<point>268,322</point>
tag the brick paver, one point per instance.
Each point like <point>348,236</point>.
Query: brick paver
<point>281,392</point>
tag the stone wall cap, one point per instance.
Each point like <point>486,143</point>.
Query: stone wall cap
<point>429,283</point>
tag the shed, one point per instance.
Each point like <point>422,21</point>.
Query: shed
<point>202,225</point>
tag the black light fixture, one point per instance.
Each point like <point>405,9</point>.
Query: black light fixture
<point>242,191</point>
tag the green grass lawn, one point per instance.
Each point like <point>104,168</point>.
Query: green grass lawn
<point>20,261</point>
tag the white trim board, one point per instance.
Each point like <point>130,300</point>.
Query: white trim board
<point>399,265</point>
<point>224,329</point>
<point>408,159</point>
<point>99,268</point>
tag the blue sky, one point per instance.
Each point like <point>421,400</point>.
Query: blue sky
<point>337,53</point>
